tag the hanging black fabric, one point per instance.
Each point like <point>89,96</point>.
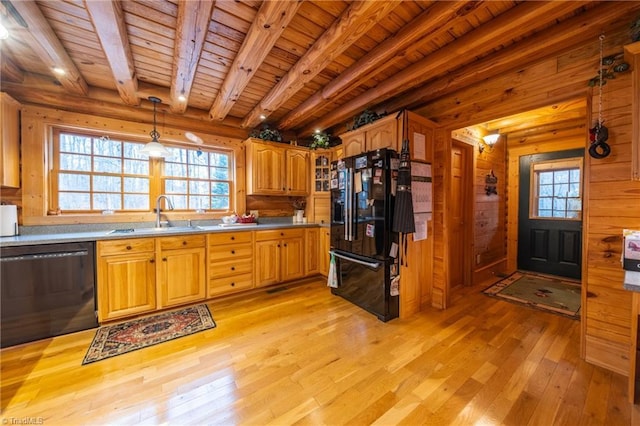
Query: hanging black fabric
<point>403,221</point>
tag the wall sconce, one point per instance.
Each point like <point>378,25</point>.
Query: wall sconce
<point>488,141</point>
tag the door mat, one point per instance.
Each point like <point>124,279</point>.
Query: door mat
<point>549,294</point>
<point>118,339</point>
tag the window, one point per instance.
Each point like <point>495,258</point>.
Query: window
<point>93,174</point>
<point>197,179</point>
<point>557,190</point>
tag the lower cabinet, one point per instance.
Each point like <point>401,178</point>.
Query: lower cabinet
<point>230,262</point>
<point>182,270</point>
<point>312,242</point>
<point>325,245</point>
<point>126,277</point>
<point>279,256</point>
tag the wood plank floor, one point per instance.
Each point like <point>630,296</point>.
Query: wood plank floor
<point>303,356</point>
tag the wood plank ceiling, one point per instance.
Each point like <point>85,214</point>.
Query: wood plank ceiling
<point>226,66</point>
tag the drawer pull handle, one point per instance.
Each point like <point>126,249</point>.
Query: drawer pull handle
<point>129,247</point>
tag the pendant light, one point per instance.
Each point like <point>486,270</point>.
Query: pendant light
<point>155,148</point>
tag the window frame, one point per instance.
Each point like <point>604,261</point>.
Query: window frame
<point>554,165</point>
<point>155,176</point>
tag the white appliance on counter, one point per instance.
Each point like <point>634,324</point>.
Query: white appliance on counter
<point>8,220</point>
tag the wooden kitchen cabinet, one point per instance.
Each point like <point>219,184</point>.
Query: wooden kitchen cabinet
<point>319,210</point>
<point>126,273</point>
<point>9,142</point>
<point>312,244</point>
<point>279,256</point>
<point>230,262</point>
<point>383,133</point>
<point>182,276</point>
<point>276,169</point>
<point>325,245</point>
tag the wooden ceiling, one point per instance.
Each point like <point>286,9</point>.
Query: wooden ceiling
<point>300,64</point>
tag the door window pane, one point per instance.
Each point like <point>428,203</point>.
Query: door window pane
<point>556,189</point>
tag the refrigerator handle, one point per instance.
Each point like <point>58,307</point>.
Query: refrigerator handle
<point>374,265</point>
<point>348,208</point>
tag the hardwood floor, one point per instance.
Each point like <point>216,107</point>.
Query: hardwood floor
<point>303,356</point>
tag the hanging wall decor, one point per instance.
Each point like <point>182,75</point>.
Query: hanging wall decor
<point>491,180</point>
<point>599,134</point>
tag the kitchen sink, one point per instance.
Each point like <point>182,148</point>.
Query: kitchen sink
<point>165,230</point>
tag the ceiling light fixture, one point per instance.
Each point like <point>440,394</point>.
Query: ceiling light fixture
<point>155,148</point>
<point>263,117</point>
<point>488,141</point>
<point>182,97</point>
<point>59,71</point>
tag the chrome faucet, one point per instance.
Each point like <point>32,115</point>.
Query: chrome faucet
<point>169,203</point>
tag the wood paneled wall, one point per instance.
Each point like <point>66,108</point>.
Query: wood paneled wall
<point>611,196</point>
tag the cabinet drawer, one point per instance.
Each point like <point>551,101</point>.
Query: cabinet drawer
<point>229,237</point>
<point>235,267</point>
<point>182,241</point>
<point>219,286</point>
<point>132,245</point>
<point>230,251</point>
<point>276,234</point>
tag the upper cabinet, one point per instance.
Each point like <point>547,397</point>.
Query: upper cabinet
<point>9,142</point>
<point>275,169</point>
<point>383,133</point>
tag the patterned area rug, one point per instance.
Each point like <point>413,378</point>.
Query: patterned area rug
<point>553,295</point>
<point>118,339</point>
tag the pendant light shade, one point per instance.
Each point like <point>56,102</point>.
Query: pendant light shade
<point>155,148</point>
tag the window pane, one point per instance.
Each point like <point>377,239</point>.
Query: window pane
<point>173,169</point>
<point>75,144</point>
<point>73,182</point>
<point>220,188</point>
<point>136,185</point>
<point>546,190</point>
<point>219,160</point>
<point>178,155</point>
<point>107,165</point>
<point>174,186</point>
<point>574,204</point>
<point>561,176</point>
<point>560,204</point>
<point>574,190</point>
<point>107,183</point>
<point>545,203</point>
<point>179,202</point>
<point>199,172</point>
<point>197,157</point>
<point>544,213</point>
<point>136,202</point>
<point>135,167</point>
<point>221,203</point>
<point>561,190</point>
<point>199,202</point>
<point>73,201</point>
<point>79,163</point>
<point>102,201</point>
<point>107,147</point>
<point>132,150</point>
<point>574,175</point>
<point>217,173</point>
<point>198,187</point>
<point>546,178</point>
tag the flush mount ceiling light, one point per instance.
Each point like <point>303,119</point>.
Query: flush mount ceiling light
<point>4,33</point>
<point>155,148</point>
<point>193,138</point>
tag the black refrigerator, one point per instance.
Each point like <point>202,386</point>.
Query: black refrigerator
<point>362,243</point>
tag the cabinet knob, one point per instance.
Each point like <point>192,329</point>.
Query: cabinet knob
<point>233,284</point>
<point>129,247</point>
<point>233,252</point>
<point>152,261</point>
<point>285,244</point>
<point>184,243</point>
<point>282,234</point>
<point>233,268</point>
<point>233,238</point>
<point>164,259</point>
<point>278,245</point>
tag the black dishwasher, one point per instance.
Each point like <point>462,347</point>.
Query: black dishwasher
<point>47,290</point>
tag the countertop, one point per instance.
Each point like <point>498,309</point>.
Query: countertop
<point>52,238</point>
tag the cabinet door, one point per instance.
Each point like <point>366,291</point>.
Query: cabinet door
<point>267,262</point>
<point>320,171</point>
<point>325,244</point>
<point>297,172</point>
<point>292,258</point>
<point>312,243</point>
<point>383,135</point>
<point>183,276</point>
<point>267,170</point>
<point>9,142</point>
<point>353,143</point>
<point>126,285</point>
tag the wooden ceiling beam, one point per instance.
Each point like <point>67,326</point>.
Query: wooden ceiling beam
<point>555,39</point>
<point>108,20</point>
<point>352,24</point>
<point>433,19</point>
<point>267,27</point>
<point>192,28</point>
<point>509,25</point>
<point>10,70</point>
<point>44,42</point>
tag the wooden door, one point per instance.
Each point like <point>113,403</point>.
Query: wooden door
<point>550,213</point>
<point>292,258</point>
<point>126,285</point>
<point>297,172</point>
<point>460,242</point>
<point>267,262</point>
<point>183,276</point>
